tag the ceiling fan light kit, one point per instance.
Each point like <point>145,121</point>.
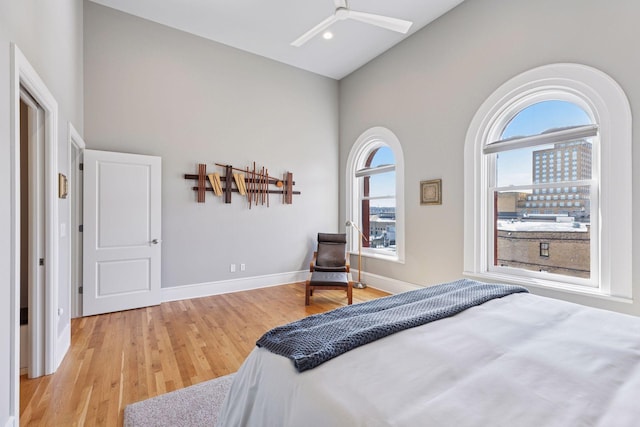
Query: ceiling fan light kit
<point>343,12</point>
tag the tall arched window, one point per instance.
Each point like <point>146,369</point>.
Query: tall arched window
<point>548,183</point>
<point>375,194</point>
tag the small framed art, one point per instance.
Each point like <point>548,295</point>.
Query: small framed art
<point>431,192</point>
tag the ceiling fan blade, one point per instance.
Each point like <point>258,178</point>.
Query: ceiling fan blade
<point>314,31</point>
<point>393,24</point>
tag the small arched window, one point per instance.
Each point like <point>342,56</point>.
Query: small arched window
<point>375,194</point>
<point>557,132</point>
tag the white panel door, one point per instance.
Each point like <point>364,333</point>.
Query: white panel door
<point>121,239</point>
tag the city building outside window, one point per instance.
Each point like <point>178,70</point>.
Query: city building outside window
<point>575,122</point>
<point>375,194</point>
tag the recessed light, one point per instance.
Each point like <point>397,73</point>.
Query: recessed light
<point>328,35</point>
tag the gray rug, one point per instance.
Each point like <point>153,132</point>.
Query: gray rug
<point>194,406</point>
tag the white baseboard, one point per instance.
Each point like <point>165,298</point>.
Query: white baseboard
<point>63,344</point>
<point>393,286</point>
<point>200,290</point>
<point>12,422</point>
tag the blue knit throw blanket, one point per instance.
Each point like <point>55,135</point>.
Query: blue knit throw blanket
<point>315,339</point>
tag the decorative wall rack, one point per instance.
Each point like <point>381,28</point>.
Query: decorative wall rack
<point>253,183</point>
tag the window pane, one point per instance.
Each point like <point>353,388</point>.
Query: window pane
<point>378,203</point>
<point>520,167</point>
<point>545,164</point>
<point>382,224</point>
<point>383,184</point>
<point>382,156</point>
<point>544,116</point>
<point>521,231</point>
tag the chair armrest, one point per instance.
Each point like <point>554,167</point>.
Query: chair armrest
<point>347,264</point>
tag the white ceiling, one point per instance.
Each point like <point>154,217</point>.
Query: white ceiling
<point>267,28</point>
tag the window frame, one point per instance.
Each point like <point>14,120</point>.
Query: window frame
<point>546,186</point>
<point>606,103</point>
<point>366,143</point>
<point>544,249</point>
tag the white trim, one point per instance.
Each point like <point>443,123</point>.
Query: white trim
<point>375,170</point>
<point>23,73</point>
<point>387,284</point>
<point>394,286</point>
<point>577,183</point>
<point>376,253</point>
<point>534,283</point>
<point>74,139</point>
<point>603,99</point>
<point>14,261</point>
<point>199,290</point>
<point>570,134</point>
<point>369,140</point>
<point>37,229</point>
<point>63,344</point>
<point>12,422</point>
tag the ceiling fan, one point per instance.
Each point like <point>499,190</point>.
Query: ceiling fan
<point>343,12</point>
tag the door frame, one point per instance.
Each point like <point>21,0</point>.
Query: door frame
<point>37,231</point>
<point>75,151</point>
<point>23,74</point>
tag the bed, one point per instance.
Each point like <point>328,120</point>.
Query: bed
<point>517,360</point>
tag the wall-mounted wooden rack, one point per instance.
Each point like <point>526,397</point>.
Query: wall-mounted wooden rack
<point>253,183</point>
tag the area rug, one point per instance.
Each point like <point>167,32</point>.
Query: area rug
<point>193,406</point>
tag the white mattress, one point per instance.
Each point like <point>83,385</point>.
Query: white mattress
<point>518,361</point>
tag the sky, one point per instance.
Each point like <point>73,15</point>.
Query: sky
<point>383,184</point>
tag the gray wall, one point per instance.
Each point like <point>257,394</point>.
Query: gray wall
<point>150,89</point>
<point>428,88</point>
<point>50,36</point>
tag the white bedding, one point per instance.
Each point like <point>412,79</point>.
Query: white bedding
<point>517,361</point>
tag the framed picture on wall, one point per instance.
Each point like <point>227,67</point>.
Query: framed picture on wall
<point>431,192</point>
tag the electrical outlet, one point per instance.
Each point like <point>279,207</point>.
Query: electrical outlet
<point>232,268</point>
<point>243,267</point>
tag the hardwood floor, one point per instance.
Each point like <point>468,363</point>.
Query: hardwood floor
<point>119,358</point>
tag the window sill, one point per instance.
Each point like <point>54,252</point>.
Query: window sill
<point>380,256</point>
<point>547,285</point>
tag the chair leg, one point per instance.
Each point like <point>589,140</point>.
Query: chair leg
<point>307,292</point>
<point>350,292</point>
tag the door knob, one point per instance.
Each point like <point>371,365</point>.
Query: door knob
<point>155,241</point>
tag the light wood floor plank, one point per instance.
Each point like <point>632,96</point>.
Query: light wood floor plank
<point>119,358</point>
